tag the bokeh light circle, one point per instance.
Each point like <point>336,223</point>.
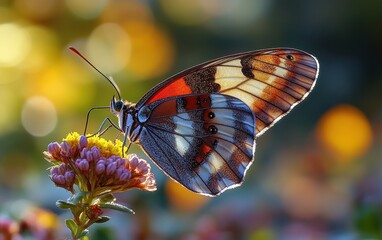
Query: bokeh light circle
<point>38,116</point>
<point>345,131</point>
<point>152,49</point>
<point>45,50</point>
<point>14,44</point>
<point>109,47</point>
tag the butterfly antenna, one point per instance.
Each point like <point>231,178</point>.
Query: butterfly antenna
<point>110,79</point>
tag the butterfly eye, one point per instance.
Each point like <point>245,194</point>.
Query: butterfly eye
<point>116,106</point>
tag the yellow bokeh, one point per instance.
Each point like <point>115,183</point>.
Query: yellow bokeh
<point>43,218</point>
<point>183,199</point>
<point>152,52</point>
<point>15,44</point>
<point>45,49</point>
<point>109,47</point>
<point>345,131</point>
<point>65,82</point>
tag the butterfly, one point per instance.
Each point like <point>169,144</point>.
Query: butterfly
<point>200,126</point>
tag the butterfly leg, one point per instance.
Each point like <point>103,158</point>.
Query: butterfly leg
<point>101,131</point>
<point>88,116</point>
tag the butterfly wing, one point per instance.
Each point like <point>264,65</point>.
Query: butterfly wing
<point>271,82</point>
<point>204,141</point>
<point>247,94</point>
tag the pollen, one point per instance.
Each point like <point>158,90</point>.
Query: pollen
<point>106,147</point>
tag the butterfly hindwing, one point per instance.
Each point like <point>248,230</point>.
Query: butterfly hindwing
<point>271,82</point>
<point>204,141</point>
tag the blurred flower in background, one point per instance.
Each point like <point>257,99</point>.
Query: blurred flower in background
<point>317,173</point>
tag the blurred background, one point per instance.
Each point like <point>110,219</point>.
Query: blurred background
<point>317,173</point>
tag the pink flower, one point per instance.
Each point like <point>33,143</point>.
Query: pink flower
<point>95,164</point>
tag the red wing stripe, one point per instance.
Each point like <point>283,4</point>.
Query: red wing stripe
<point>175,88</point>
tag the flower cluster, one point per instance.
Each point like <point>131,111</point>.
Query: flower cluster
<point>96,165</point>
<point>92,169</point>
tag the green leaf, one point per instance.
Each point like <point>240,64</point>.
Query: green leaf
<point>84,234</point>
<point>102,219</point>
<point>108,198</point>
<point>116,206</point>
<point>78,197</point>
<point>64,205</point>
<point>71,225</point>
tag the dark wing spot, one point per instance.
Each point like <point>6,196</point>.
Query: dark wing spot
<point>247,72</point>
<point>290,57</point>
<point>203,81</point>
<point>212,129</point>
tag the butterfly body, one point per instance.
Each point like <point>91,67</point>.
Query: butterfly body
<point>200,125</point>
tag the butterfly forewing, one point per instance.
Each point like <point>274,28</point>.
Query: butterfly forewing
<point>203,141</point>
<point>271,82</point>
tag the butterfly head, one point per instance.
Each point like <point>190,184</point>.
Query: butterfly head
<point>125,112</point>
<point>116,106</point>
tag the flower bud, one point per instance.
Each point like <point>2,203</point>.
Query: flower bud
<point>96,154</point>
<point>143,167</point>
<point>58,179</point>
<point>82,143</point>
<point>62,177</point>
<point>82,165</point>
<point>89,156</point>
<point>133,161</point>
<point>66,149</point>
<point>150,183</point>
<point>54,150</point>
<point>110,169</point>
<point>93,212</point>
<point>54,171</point>
<point>83,152</point>
<point>69,178</point>
<point>61,169</point>
<point>124,175</point>
<point>100,167</point>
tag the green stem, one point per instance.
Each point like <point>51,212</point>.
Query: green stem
<point>80,217</point>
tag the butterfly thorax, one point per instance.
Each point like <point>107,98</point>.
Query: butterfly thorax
<point>129,122</point>
<point>126,113</point>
